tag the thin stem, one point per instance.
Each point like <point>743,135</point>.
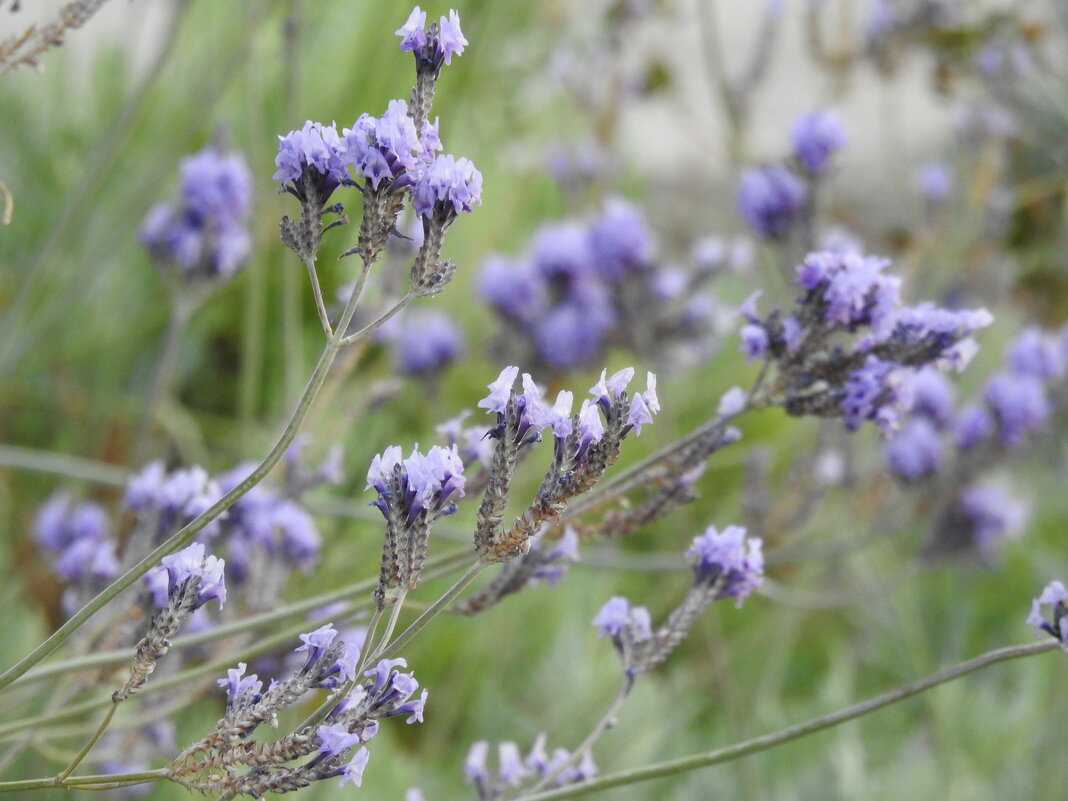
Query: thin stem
<point>181,311</point>
<point>391,624</point>
<point>372,326</point>
<point>191,529</point>
<point>74,763</point>
<point>607,721</point>
<point>317,292</point>
<point>96,782</point>
<point>9,204</point>
<point>767,741</point>
<point>62,464</point>
<point>432,611</point>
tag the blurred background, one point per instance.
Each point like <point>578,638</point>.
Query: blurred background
<point>956,115</point>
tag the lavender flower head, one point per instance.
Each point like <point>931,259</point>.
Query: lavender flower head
<point>77,534</point>
<point>815,136</point>
<point>190,568</point>
<point>770,200</point>
<point>729,561</point>
<point>435,47</point>
<point>311,162</point>
<point>426,342</point>
<point>426,482</point>
<point>387,148</point>
<point>447,187</point>
<point>618,618</point>
<point>1056,597</point>
<point>203,234</point>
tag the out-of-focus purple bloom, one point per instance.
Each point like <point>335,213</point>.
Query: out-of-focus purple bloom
<point>935,182</point>
<point>427,341</point>
<point>1037,354</point>
<point>915,450</point>
<point>993,513</point>
<point>732,402</point>
<point>617,616</point>
<point>619,240</point>
<point>514,289</point>
<point>754,341</point>
<point>972,426</point>
<point>447,186</point>
<point>933,396</point>
<point>1019,403</point>
<point>770,200</point>
<point>475,770</point>
<point>1055,596</point>
<point>77,535</point>
<point>203,233</point>
<point>729,561</point>
<point>871,393</point>
<point>815,136</point>
<point>511,771</point>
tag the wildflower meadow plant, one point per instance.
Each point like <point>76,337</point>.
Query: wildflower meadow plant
<point>774,431</point>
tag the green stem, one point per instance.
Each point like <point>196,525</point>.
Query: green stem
<point>186,534</point>
<point>74,763</point>
<point>96,782</point>
<point>181,311</point>
<point>317,292</point>
<point>431,612</point>
<point>767,741</point>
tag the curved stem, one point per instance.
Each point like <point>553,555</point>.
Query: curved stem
<point>317,293</point>
<point>608,719</point>
<point>766,741</point>
<point>95,782</point>
<point>186,534</point>
<point>85,749</point>
<point>431,612</point>
<point>181,311</point>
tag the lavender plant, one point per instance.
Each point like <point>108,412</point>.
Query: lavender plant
<point>490,514</point>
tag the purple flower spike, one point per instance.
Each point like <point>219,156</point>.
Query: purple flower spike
<point>191,563</point>
<point>447,187</point>
<point>916,450</point>
<point>816,135</point>
<point>770,200</point>
<point>1019,403</point>
<point>617,616</point>
<point>314,153</point>
<point>729,561</point>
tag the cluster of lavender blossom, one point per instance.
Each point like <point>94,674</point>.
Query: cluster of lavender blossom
<point>954,445</point>
<point>395,155</point>
<point>850,346</point>
<point>583,286</point>
<point>203,234</point>
<point>774,198</point>
<point>314,751</point>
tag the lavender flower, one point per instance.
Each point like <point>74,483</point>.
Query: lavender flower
<point>447,187</point>
<point>427,342</point>
<point>386,148</point>
<point>770,200</point>
<point>412,494</point>
<point>935,183</point>
<point>437,46</point>
<point>815,136</point>
<point>312,161</point>
<point>203,233</point>
<point>915,450</point>
<point>619,241</point>
<point>991,513</point>
<point>618,619</point>
<point>192,579</point>
<point>76,534</point>
<point>1056,597</point>
<point>1019,403</point>
<point>728,562</point>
